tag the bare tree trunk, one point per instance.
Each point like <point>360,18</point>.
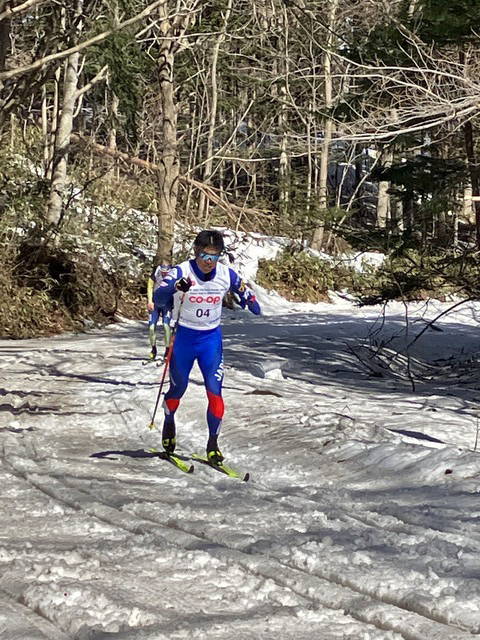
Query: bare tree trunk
<point>474,176</point>
<point>52,132</point>
<point>45,136</point>
<point>235,189</point>
<point>4,46</point>
<point>383,200</point>
<point>328,128</point>
<point>252,166</point>
<point>442,236</point>
<point>172,24</point>
<point>63,131</point>
<point>169,166</point>
<point>112,134</point>
<point>193,152</point>
<point>472,160</point>
<point>309,164</point>
<point>208,166</point>
<point>396,210</point>
<point>4,34</point>
<point>284,164</point>
<point>62,141</point>
<point>468,212</point>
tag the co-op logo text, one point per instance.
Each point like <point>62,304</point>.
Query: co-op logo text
<point>207,299</point>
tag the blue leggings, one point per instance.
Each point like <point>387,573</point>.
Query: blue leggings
<point>154,316</point>
<point>206,347</point>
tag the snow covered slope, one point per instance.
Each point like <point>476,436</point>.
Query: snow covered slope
<point>360,520</point>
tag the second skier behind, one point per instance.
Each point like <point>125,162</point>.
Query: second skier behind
<point>157,311</point>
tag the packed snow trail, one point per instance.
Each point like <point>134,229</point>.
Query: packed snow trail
<point>359,521</point>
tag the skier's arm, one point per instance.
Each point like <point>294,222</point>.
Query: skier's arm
<point>163,296</point>
<point>247,298</point>
<point>150,284</point>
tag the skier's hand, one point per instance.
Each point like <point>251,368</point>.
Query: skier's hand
<point>150,306</point>
<point>253,305</point>
<point>183,284</point>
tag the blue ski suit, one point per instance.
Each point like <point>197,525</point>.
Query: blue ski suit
<point>154,281</point>
<point>198,334</point>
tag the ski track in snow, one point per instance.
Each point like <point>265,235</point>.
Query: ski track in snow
<point>284,574</point>
<point>337,538</point>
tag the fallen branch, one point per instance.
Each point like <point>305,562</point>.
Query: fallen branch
<point>210,192</point>
<point>430,323</point>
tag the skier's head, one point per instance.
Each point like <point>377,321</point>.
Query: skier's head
<point>165,267</point>
<point>208,247</point>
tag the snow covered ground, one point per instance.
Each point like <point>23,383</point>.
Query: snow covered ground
<point>360,520</point>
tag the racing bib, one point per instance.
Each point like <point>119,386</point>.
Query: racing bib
<point>202,305</point>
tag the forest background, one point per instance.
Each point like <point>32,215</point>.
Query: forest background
<point>341,125</point>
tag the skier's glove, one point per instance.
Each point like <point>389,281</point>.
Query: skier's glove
<point>248,301</point>
<point>183,284</point>
<point>253,305</point>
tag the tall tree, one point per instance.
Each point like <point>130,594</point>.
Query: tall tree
<point>328,122</point>
<point>65,126</point>
<point>174,19</point>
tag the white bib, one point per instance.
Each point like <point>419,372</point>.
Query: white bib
<point>202,305</point>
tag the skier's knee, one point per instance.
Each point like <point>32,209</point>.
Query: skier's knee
<point>171,405</point>
<point>215,405</point>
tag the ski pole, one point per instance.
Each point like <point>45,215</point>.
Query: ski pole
<point>167,362</point>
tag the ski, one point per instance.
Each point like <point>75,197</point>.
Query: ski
<point>223,468</point>
<point>178,462</point>
<point>157,362</point>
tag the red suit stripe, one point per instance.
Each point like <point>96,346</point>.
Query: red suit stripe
<point>215,405</point>
<point>172,404</point>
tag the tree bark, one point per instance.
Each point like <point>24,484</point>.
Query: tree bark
<point>383,200</point>
<point>328,126</point>
<point>4,35</point>
<point>474,176</point>
<point>4,46</point>
<point>207,169</point>
<point>169,166</point>
<point>62,141</point>
<point>284,162</point>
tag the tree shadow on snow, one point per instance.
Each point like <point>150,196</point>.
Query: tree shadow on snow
<point>324,348</point>
<point>324,352</point>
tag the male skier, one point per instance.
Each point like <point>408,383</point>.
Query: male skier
<point>197,288</point>
<point>155,311</point>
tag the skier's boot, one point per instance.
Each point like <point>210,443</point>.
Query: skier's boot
<point>213,452</point>
<point>153,353</point>
<point>168,436</point>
